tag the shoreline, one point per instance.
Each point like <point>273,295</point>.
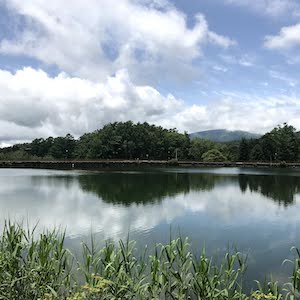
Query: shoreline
<point>104,164</point>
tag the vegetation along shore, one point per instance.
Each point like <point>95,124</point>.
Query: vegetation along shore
<point>145,142</point>
<point>36,266</point>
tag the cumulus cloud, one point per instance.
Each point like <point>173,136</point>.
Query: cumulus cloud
<point>241,112</point>
<point>32,100</point>
<point>272,8</point>
<point>287,38</point>
<point>108,36</point>
<point>33,104</point>
<point>106,59</point>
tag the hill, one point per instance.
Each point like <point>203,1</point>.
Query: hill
<point>223,135</point>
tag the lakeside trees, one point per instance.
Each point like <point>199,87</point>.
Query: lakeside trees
<point>127,140</point>
<point>280,144</point>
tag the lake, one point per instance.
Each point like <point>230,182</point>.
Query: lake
<point>256,211</point>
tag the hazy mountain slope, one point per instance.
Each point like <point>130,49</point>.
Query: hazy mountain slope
<point>223,135</point>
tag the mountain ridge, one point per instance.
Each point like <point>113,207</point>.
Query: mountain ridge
<point>224,135</point>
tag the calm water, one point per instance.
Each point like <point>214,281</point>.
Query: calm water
<point>256,211</point>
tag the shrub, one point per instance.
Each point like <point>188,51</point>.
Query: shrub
<point>213,155</point>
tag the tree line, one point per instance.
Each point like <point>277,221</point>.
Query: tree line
<point>127,140</point>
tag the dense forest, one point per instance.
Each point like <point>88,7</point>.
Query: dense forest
<point>127,140</point>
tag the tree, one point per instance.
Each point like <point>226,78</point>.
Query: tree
<point>287,142</point>
<point>213,155</point>
<point>199,147</point>
<point>256,153</point>
<point>244,150</point>
<point>281,144</point>
<point>230,150</point>
<point>63,147</point>
<point>127,140</point>
<point>268,145</point>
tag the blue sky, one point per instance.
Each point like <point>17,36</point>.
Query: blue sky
<point>190,64</point>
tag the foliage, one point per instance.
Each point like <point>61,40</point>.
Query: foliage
<point>286,141</point>
<point>119,140</point>
<point>230,150</point>
<point>132,141</point>
<point>126,140</point>
<point>256,153</point>
<point>41,268</point>
<point>280,144</point>
<point>213,155</point>
<point>62,147</point>
<point>29,269</point>
<point>244,150</point>
<point>199,147</point>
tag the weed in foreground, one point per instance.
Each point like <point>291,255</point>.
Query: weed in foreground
<point>40,267</point>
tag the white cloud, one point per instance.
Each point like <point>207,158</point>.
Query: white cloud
<point>219,68</point>
<point>32,104</point>
<point>283,77</point>
<point>132,39</point>
<point>108,36</point>
<point>30,99</point>
<point>287,38</point>
<point>245,60</point>
<point>272,8</point>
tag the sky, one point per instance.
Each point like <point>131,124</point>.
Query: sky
<point>72,67</point>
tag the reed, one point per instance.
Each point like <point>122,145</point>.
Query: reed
<point>40,267</point>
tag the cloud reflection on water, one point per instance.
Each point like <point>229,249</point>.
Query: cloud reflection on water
<point>115,203</point>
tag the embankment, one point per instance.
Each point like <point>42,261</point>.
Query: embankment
<point>105,164</point>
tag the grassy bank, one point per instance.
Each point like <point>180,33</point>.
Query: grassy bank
<point>40,267</point>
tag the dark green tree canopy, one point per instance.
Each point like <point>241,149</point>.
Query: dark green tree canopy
<point>280,144</point>
<point>128,140</point>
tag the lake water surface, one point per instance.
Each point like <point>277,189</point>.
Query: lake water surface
<point>256,211</point>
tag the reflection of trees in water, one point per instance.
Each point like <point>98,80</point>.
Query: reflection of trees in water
<point>54,181</point>
<point>128,188</point>
<point>281,189</point>
<point>147,187</point>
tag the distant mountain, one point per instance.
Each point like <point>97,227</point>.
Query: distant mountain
<point>223,135</point>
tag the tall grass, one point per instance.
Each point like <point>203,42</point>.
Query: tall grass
<point>41,267</point>
<point>30,268</point>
